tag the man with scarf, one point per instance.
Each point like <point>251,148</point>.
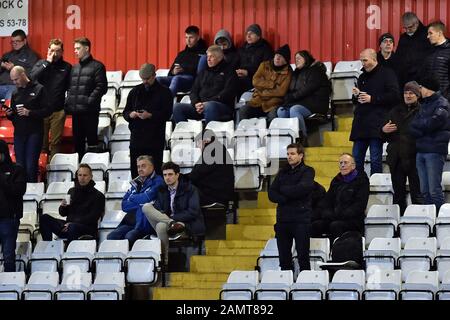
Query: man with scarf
<point>13,183</point>
<point>344,205</point>
<point>85,207</point>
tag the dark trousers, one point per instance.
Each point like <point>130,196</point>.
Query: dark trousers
<point>248,112</point>
<point>285,233</point>
<point>156,153</point>
<point>84,127</point>
<point>333,229</point>
<point>49,225</point>
<point>27,148</point>
<point>8,235</point>
<point>127,232</point>
<point>398,176</point>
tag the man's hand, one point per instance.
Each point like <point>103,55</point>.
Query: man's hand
<point>355,91</point>
<point>363,97</point>
<point>23,112</point>
<point>389,127</point>
<point>199,107</point>
<point>7,65</point>
<point>144,115</point>
<point>9,112</point>
<point>50,56</point>
<point>242,73</point>
<point>65,227</point>
<point>134,115</point>
<point>177,69</point>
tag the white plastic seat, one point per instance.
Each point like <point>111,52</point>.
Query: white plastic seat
<point>240,285</point>
<point>224,131</point>
<point>418,254</point>
<point>33,195</point>
<point>162,72</point>
<point>23,254</point>
<point>118,187</point>
<point>442,259</point>
<point>110,221</point>
<point>131,79</point>
<point>143,261</point>
<point>444,289</point>
<point>382,254</point>
<point>34,191</point>
<point>78,256</point>
<point>420,285</point>
<point>442,225</point>
<point>41,286</point>
<point>124,92</point>
<point>383,285</point>
<point>74,286</point>
<point>347,285</point>
<point>104,128</point>
<point>99,163</point>
<point>281,133</point>
<point>343,80</point>
<point>310,285</point>
<point>46,256</point>
<point>114,78</point>
<point>11,285</point>
<point>329,66</point>
<point>120,160</point>
<point>185,132</point>
<point>51,200</point>
<point>111,256</point>
<point>249,137</point>
<point>108,105</point>
<point>108,286</point>
<point>381,191</point>
<point>274,285</point>
<point>381,221</point>
<point>269,257</point>
<point>319,250</point>
<point>185,156</point>
<point>417,221</point>
<point>62,167</point>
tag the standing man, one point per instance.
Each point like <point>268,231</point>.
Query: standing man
<point>21,55</point>
<point>12,188</point>
<point>386,55</point>
<point>376,92</point>
<point>149,106</point>
<point>88,84</point>
<point>28,109</point>
<point>54,74</point>
<point>292,192</point>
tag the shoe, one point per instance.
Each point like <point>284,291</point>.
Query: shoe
<point>175,228</point>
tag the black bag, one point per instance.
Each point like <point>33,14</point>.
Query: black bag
<point>348,247</point>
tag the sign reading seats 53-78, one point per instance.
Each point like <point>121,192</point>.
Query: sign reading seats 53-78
<point>13,16</point>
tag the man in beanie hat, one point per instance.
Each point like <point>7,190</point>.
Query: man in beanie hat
<point>254,51</point>
<point>13,183</point>
<point>401,150</point>
<point>386,55</point>
<point>431,128</point>
<point>149,106</point>
<point>271,83</point>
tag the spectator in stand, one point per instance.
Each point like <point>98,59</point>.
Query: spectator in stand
<point>309,90</point>
<point>412,49</point>
<point>54,74</point>
<point>376,92</point>
<point>13,185</point>
<point>83,211</point>
<point>271,83</point>
<point>431,128</point>
<point>254,51</point>
<point>149,106</point>
<point>29,107</point>
<point>386,55</point>
<point>344,205</point>
<point>213,93</point>
<point>184,69</point>
<point>21,55</point>
<point>88,84</point>
<point>143,190</point>
<point>401,150</point>
<point>223,39</point>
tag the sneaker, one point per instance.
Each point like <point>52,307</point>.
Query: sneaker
<point>175,228</point>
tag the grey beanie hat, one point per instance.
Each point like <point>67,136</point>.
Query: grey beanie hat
<point>255,28</point>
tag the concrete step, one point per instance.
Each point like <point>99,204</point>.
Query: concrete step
<point>337,139</point>
<point>234,244</point>
<point>179,278</point>
<point>264,221</point>
<point>254,232</point>
<point>233,252</point>
<point>344,123</point>
<point>257,212</point>
<point>222,264</point>
<point>185,294</point>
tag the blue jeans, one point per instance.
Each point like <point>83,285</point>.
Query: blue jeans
<point>28,150</point>
<point>179,83</point>
<point>214,111</point>
<point>296,111</point>
<point>8,235</point>
<point>376,153</point>
<point>429,168</point>
<point>6,91</point>
<point>126,232</point>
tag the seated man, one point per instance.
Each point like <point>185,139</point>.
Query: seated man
<point>271,83</point>
<point>213,93</point>
<point>344,205</point>
<point>143,190</point>
<point>85,207</point>
<point>177,208</point>
<point>184,68</point>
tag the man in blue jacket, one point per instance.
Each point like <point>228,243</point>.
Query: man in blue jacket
<point>143,190</point>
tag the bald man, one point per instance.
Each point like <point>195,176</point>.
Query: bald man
<point>27,113</point>
<point>374,95</point>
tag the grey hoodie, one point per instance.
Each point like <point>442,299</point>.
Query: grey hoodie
<point>231,54</point>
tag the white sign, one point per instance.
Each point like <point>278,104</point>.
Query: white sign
<point>13,16</point>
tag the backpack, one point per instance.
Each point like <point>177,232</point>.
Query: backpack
<point>348,247</point>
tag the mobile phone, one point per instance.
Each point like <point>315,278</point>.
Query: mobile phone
<point>177,65</point>
<point>140,111</point>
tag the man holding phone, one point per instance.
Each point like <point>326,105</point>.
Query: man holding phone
<point>149,106</point>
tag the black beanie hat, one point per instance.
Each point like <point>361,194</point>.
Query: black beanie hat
<point>430,82</point>
<point>384,36</point>
<point>285,51</point>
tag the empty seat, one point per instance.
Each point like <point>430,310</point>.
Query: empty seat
<point>46,256</point>
<point>124,92</point>
<point>11,285</point>
<point>41,286</point>
<point>51,200</point>
<point>420,285</point>
<point>120,160</point>
<point>33,195</point>
<point>185,132</point>
<point>131,79</point>
<point>274,285</point>
<point>381,191</point>
<point>381,221</point>
<point>319,250</point>
<point>282,132</point>
<point>268,257</point>
<point>108,105</point>
<point>108,286</point>
<point>110,221</point>
<point>78,256</point>
<point>310,285</point>
<point>347,285</point>
<point>382,254</point>
<point>111,256</point>
<point>240,285</point>
<point>23,255</point>
<point>418,254</point>
<point>114,79</point>
<point>383,285</point>
<point>142,262</point>
<point>442,259</point>
<point>74,286</point>
<point>442,225</point>
<point>418,221</point>
<point>444,289</point>
<point>186,156</point>
<point>224,131</point>
<point>99,163</point>
<point>62,167</point>
<point>162,72</point>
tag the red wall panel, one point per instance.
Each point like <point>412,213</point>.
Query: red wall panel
<point>126,33</point>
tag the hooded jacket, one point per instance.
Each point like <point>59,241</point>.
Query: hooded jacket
<point>189,57</point>
<point>24,57</point>
<point>13,184</point>
<point>231,53</point>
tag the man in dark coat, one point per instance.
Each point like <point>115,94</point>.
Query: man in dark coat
<point>376,92</point>
<point>401,150</point>
<point>292,192</point>
<point>149,106</point>
<point>344,205</point>
<point>386,56</point>
<point>223,39</point>
<point>13,185</point>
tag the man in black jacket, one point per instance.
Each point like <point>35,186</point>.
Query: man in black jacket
<point>401,150</point>
<point>149,106</point>
<point>292,192</point>
<point>12,188</point>
<point>344,205</point>
<point>29,107</point>
<point>213,94</point>
<point>21,55</point>
<point>85,207</point>
<point>184,69</point>
<point>54,74</point>
<point>88,84</point>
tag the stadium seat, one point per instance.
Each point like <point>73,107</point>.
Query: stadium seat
<point>142,262</point>
<point>224,131</point>
<point>268,257</point>
<point>11,285</point>
<point>162,72</point>
<point>281,133</point>
<point>442,225</point>
<point>240,285</point>
<point>23,254</point>
<point>185,156</point>
<point>274,285</point>
<point>185,132</point>
<point>310,285</point>
<point>111,256</point>
<point>444,289</point>
<point>442,259</point>
<point>78,256</point>
<point>51,200</point>
<point>41,286</point>
<point>108,286</point>
<point>381,191</point>
<point>347,285</point>
<point>382,254</point>
<point>319,250</point>
<point>46,256</point>
<point>381,221</point>
<point>62,167</point>
<point>418,221</point>
<point>74,286</point>
<point>99,163</point>
<point>110,221</point>
<point>418,254</point>
<point>383,285</point>
<point>131,79</point>
<point>420,285</point>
